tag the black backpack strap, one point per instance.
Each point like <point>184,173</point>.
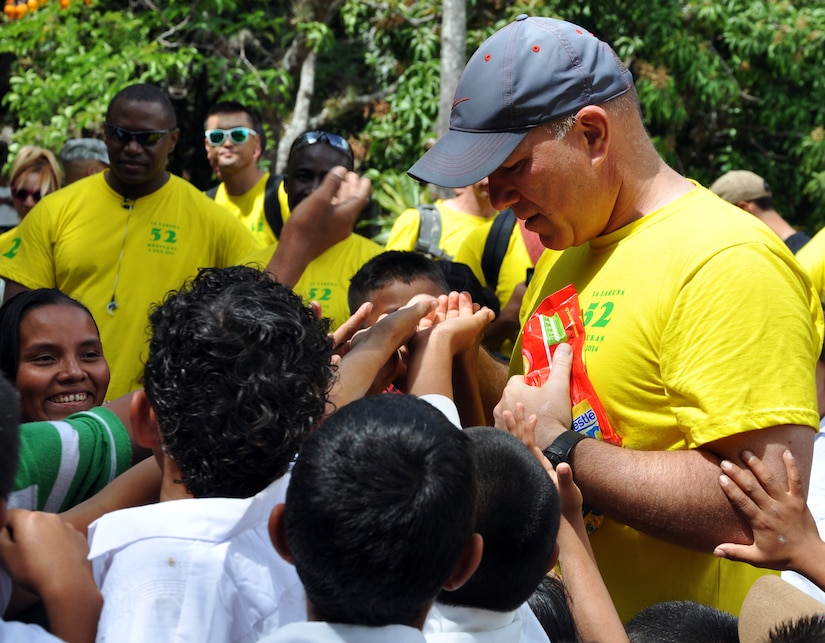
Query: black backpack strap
<point>272,207</point>
<point>211,192</point>
<point>496,246</point>
<point>429,232</point>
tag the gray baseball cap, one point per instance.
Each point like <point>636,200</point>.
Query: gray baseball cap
<point>79,149</point>
<point>532,71</point>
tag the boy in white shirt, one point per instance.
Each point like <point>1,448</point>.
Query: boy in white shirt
<point>378,518</point>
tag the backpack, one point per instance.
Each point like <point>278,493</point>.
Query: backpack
<point>272,208</point>
<point>496,246</point>
<point>429,235</point>
<point>429,232</point>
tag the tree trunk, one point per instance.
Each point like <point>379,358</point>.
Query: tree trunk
<point>300,116</point>
<point>453,58</point>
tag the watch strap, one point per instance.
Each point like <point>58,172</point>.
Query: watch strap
<point>560,449</point>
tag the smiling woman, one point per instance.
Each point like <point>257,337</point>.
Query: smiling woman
<point>50,349</point>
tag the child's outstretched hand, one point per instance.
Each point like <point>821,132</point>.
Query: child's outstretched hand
<point>785,535</point>
<point>524,428</point>
<point>456,324</point>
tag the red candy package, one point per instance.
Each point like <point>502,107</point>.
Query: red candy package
<point>558,319</point>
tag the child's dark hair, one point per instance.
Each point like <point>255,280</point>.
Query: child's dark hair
<point>679,621</point>
<point>518,518</point>
<point>551,605</point>
<point>379,509</point>
<point>390,267</point>
<point>238,373</point>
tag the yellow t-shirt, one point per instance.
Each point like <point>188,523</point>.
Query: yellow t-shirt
<point>691,337</point>
<point>249,208</point>
<point>455,226</point>
<point>812,258</point>
<point>84,240</point>
<point>326,278</point>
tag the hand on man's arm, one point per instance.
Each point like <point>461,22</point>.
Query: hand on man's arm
<point>648,490</point>
<point>785,535</point>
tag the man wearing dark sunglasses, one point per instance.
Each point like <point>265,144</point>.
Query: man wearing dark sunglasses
<point>234,141</point>
<point>119,240</point>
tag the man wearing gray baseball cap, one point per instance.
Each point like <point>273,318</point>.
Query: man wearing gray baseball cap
<point>678,292</point>
<point>82,157</point>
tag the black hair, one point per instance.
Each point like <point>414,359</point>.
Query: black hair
<point>803,630</point>
<point>333,141</point>
<point>12,313</point>
<point>518,517</point>
<point>234,107</point>
<point>10,417</point>
<point>682,622</point>
<point>238,372</point>
<point>460,277</point>
<point>551,605</point>
<point>388,268</point>
<point>379,508</point>
<point>146,93</point>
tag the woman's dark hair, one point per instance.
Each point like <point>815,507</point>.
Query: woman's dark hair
<point>13,312</point>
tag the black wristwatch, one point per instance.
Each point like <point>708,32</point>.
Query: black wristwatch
<point>560,449</point>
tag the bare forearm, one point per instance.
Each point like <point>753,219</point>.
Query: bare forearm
<point>288,263</point>
<point>431,370</point>
<point>139,485</point>
<point>590,602</point>
<point>672,495</point>
<point>492,378</point>
<point>465,390</point>
<point>75,611</point>
<point>812,564</point>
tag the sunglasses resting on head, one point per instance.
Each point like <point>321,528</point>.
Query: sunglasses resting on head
<point>317,136</point>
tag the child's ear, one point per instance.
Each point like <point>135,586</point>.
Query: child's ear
<point>277,533</point>
<point>144,422</point>
<point>467,564</point>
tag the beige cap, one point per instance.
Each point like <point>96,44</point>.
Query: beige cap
<point>741,185</point>
<point>771,602</point>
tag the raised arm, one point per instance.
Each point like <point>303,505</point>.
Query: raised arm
<point>590,603</point>
<point>139,485</point>
<point>372,358</point>
<point>324,218</point>
<point>442,356</point>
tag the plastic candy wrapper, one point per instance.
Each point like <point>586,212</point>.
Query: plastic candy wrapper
<point>558,320</point>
